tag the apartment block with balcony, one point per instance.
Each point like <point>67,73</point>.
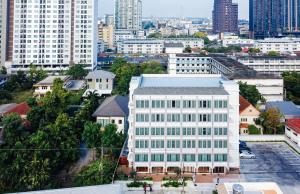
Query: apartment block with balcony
<point>189,122</point>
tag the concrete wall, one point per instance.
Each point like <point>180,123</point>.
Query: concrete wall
<point>262,138</point>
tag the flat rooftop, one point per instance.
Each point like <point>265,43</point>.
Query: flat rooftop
<point>180,90</point>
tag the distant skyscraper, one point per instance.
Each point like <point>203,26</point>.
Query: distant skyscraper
<point>109,19</point>
<point>128,14</point>
<point>265,18</point>
<point>50,34</point>
<point>291,14</point>
<point>225,16</point>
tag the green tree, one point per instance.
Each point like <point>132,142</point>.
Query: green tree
<point>292,86</point>
<point>250,92</point>
<point>254,50</point>
<point>200,35</point>
<point>35,75</point>
<point>124,72</point>
<point>98,173</point>
<point>188,49</point>
<point>14,129</point>
<point>271,121</point>
<point>253,130</point>
<point>155,35</point>
<point>3,70</point>
<point>112,140</point>
<point>273,54</point>
<point>152,67</point>
<point>77,71</point>
<point>92,134</point>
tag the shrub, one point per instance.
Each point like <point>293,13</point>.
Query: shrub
<point>136,184</point>
<point>253,130</point>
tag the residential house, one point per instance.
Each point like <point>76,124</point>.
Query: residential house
<point>248,115</point>
<point>292,130</point>
<point>113,110</point>
<point>46,85</point>
<point>100,81</point>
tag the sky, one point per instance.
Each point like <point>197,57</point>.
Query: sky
<point>177,8</point>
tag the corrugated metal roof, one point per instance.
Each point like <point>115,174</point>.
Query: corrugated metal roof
<point>287,108</point>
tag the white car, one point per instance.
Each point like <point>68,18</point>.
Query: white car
<point>247,155</point>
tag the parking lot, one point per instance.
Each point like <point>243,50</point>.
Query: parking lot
<point>275,162</point>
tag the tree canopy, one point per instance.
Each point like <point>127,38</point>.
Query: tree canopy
<point>152,67</point>
<point>251,93</point>
<point>271,121</point>
<point>292,86</point>
<point>77,71</point>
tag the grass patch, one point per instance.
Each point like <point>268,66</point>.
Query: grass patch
<point>22,96</point>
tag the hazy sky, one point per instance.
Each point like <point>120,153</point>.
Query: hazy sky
<point>179,8</point>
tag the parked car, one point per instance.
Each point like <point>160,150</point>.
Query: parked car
<point>247,155</point>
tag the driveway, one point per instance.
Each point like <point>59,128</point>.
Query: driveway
<point>275,162</point>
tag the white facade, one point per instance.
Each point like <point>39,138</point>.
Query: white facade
<point>270,88</point>
<point>154,46</point>
<point>54,34</point>
<point>238,42</point>
<point>183,121</point>
<point>128,14</point>
<point>281,45</point>
<point>292,131</point>
<point>120,122</point>
<point>272,65</point>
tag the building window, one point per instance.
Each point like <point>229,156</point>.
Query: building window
<point>173,144</point>
<point>189,104</point>
<point>220,131</point>
<point>204,117</point>
<point>188,144</point>
<point>142,104</point>
<point>173,131</point>
<point>188,131</point>
<point>204,158</point>
<point>220,144</point>
<point>173,103</point>
<point>220,117</point>
<point>220,103</point>
<point>204,144</point>
<point>157,157</point>
<point>204,131</point>
<point>188,157</point>
<point>141,157</point>
<point>157,144</point>
<point>189,117</point>
<point>204,104</point>
<point>220,157</point>
<point>157,131</point>
<point>141,144</point>
<point>157,117</point>
<point>158,104</point>
<point>142,131</point>
<point>120,122</point>
<point>173,157</point>
<point>142,118</point>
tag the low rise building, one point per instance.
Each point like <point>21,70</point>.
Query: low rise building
<point>183,121</point>
<point>173,48</point>
<point>248,115</point>
<point>155,46</point>
<point>100,82</point>
<point>113,110</point>
<point>287,108</point>
<point>280,45</point>
<point>270,86</point>
<point>244,43</point>
<point>271,65</point>
<point>292,130</point>
<point>46,85</point>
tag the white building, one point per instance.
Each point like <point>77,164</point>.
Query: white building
<point>271,65</point>
<point>155,46</point>
<point>46,85</point>
<point>281,45</point>
<point>52,34</point>
<point>292,130</point>
<point>99,81</point>
<point>183,121</point>
<point>244,43</point>
<point>128,14</point>
<point>270,86</point>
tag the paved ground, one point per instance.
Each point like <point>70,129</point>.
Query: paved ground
<point>275,162</point>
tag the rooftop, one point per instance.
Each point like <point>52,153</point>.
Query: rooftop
<point>180,90</point>
<point>287,108</point>
<point>100,74</point>
<point>21,109</point>
<point>48,81</point>
<point>294,124</point>
<point>244,104</point>
<point>188,81</point>
<point>6,107</point>
<point>173,45</point>
<point>115,106</point>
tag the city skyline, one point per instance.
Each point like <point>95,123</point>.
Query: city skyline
<point>167,8</point>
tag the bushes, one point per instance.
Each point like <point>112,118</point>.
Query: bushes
<point>173,183</point>
<point>253,130</point>
<point>136,184</point>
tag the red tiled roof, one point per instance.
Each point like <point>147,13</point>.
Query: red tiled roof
<point>243,104</point>
<point>244,126</point>
<point>294,124</point>
<point>21,109</point>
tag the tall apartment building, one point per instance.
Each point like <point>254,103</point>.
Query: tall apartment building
<point>265,18</point>
<point>225,16</point>
<point>128,14</point>
<point>51,34</point>
<point>291,14</point>
<point>183,121</point>
<point>109,19</point>
<point>106,34</point>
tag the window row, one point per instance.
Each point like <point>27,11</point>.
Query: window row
<point>183,157</point>
<point>181,118</point>
<point>181,104</point>
<point>156,144</point>
<point>140,131</point>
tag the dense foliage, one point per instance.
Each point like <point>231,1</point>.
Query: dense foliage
<point>253,130</point>
<point>292,86</point>
<point>229,49</point>
<point>271,120</point>
<point>251,93</point>
<point>77,71</point>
